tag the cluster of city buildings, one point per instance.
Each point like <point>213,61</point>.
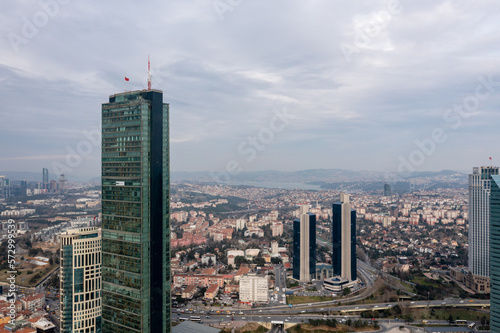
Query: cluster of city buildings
<point>117,278</point>
<point>30,314</point>
<point>199,227</point>
<point>28,188</point>
<point>343,272</point>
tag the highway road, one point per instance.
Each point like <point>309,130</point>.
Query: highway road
<point>325,307</point>
<point>280,284</point>
<point>301,318</point>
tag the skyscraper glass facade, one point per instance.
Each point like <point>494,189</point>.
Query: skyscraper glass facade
<point>344,240</point>
<point>135,213</point>
<point>495,253</point>
<point>479,220</point>
<point>45,178</point>
<point>296,249</point>
<point>304,228</point>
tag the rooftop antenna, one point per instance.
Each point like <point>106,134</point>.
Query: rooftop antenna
<point>149,74</point>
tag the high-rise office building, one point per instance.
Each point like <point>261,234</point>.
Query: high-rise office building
<point>479,220</point>
<point>45,178</point>
<point>63,184</point>
<point>304,245</point>
<point>495,253</point>
<point>135,213</point>
<point>80,281</point>
<point>387,190</point>
<point>344,239</point>
<point>54,185</point>
<point>5,190</point>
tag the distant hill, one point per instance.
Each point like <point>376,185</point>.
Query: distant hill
<point>421,174</point>
<point>317,176</point>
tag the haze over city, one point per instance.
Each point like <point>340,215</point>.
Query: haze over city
<point>359,82</point>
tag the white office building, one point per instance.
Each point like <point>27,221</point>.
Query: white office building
<point>254,288</point>
<point>80,301</point>
<point>479,220</point>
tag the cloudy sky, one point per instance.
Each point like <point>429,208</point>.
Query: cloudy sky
<point>286,85</point>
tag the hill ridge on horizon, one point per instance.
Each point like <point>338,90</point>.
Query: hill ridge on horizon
<point>306,175</point>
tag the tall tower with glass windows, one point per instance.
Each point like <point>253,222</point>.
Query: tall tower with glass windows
<point>304,245</point>
<point>479,220</point>
<point>135,213</point>
<point>80,281</point>
<point>495,253</point>
<point>344,239</point>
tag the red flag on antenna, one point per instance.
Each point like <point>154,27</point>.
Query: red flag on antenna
<point>490,158</point>
<point>127,79</point>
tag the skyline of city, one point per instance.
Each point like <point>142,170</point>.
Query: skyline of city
<point>418,235</point>
<point>394,102</point>
<point>306,77</point>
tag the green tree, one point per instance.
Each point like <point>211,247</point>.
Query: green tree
<point>276,260</point>
<point>240,260</point>
<point>408,318</point>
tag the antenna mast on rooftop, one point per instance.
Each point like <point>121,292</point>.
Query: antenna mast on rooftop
<point>149,74</point>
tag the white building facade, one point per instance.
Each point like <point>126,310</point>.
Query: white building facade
<point>254,288</point>
<point>80,301</point>
<point>479,220</point>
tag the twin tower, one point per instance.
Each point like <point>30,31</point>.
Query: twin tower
<point>343,242</point>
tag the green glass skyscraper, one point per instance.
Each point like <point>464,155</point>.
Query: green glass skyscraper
<point>495,253</point>
<point>135,213</point>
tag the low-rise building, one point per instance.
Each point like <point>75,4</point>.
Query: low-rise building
<point>211,292</point>
<point>198,280</point>
<point>33,302</point>
<point>189,292</point>
<point>254,288</point>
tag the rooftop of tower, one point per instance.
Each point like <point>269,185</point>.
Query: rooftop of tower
<point>135,92</point>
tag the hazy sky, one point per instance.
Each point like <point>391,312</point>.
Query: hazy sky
<point>356,84</point>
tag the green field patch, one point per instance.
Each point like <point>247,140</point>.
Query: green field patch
<point>307,299</point>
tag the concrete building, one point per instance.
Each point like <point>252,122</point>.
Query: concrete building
<point>386,221</point>
<point>200,280</point>
<point>232,254</point>
<point>304,245</point>
<point>274,249</point>
<point>337,284</point>
<point>344,239</point>
<point>211,291</point>
<point>44,326</point>
<point>254,288</point>
<point>189,292</point>
<point>209,259</point>
<point>479,220</point>
<point>80,281</point>
<point>241,224</point>
<point>33,302</point>
<point>277,229</point>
